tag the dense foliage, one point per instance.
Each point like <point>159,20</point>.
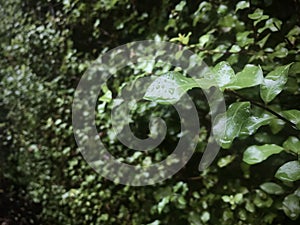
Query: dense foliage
<point>46,46</point>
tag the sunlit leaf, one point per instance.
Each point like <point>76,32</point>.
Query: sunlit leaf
<point>242,5</point>
<point>223,74</point>
<point>254,123</point>
<point>293,115</point>
<point>256,154</point>
<point>272,188</point>
<point>256,15</point>
<point>289,171</point>
<point>291,206</point>
<point>250,76</point>
<point>169,88</point>
<point>226,160</point>
<point>273,83</point>
<point>228,126</point>
<point>293,144</point>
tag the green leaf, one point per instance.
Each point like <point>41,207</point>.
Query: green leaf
<point>228,126</point>
<point>107,96</point>
<point>261,43</point>
<point>205,216</point>
<point>293,144</point>
<point>235,49</point>
<point>179,7</point>
<point>184,39</point>
<point>238,198</point>
<point>291,206</point>
<point>161,205</point>
<point>223,74</point>
<point>263,17</point>
<point>258,13</point>
<point>242,5</point>
<point>261,200</point>
<point>250,76</point>
<point>155,222</point>
<point>205,83</point>
<point>272,24</point>
<point>243,39</point>
<point>204,39</point>
<point>226,160</point>
<point>227,198</point>
<point>293,115</point>
<point>254,123</point>
<point>276,125</point>
<point>169,88</point>
<point>181,200</point>
<point>272,188</point>
<point>274,83</point>
<point>250,207</point>
<point>295,68</point>
<point>256,154</point>
<point>297,192</point>
<point>289,171</point>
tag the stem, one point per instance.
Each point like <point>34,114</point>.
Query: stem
<point>263,107</point>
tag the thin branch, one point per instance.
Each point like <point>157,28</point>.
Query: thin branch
<point>263,107</point>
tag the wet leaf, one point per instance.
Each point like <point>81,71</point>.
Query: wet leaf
<point>256,154</point>
<point>289,171</point>
<point>274,83</point>
<point>272,188</point>
<point>228,126</point>
<point>291,206</point>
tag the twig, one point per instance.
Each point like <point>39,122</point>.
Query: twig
<point>263,107</point>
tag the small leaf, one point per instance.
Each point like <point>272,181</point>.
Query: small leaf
<point>243,39</point>
<point>107,96</point>
<point>256,154</point>
<point>295,68</point>
<point>254,123</point>
<point>250,207</point>
<point>228,126</point>
<point>242,5</point>
<point>238,198</point>
<point>261,43</point>
<point>256,15</point>
<point>184,39</point>
<point>204,39</point>
<point>226,160</point>
<point>276,125</point>
<point>169,88</point>
<point>250,76</point>
<point>272,24</point>
<point>289,171</point>
<point>274,83</point>
<point>261,200</point>
<point>226,198</point>
<point>223,74</point>
<point>181,200</point>
<point>179,7</point>
<point>205,216</point>
<point>297,192</point>
<point>162,204</point>
<point>293,115</point>
<point>291,206</point>
<point>235,49</point>
<point>293,144</point>
<point>272,188</point>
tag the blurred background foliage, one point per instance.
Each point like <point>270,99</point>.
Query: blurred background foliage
<point>46,46</point>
